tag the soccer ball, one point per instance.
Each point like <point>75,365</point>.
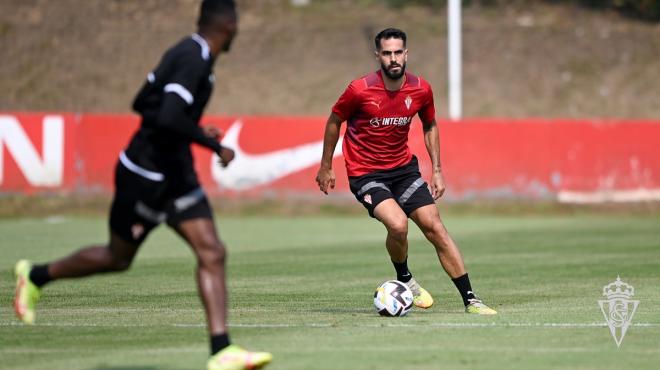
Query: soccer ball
<point>393,298</point>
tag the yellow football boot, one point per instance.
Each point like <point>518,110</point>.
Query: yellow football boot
<point>477,306</point>
<point>421,297</point>
<point>27,294</point>
<point>236,358</point>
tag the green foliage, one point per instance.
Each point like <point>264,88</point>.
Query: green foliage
<point>645,9</point>
<point>649,9</point>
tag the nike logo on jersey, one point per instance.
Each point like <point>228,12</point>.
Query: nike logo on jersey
<point>247,171</point>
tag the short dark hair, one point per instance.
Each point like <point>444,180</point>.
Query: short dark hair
<point>390,33</point>
<point>212,8</point>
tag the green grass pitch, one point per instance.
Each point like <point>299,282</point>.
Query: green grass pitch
<point>302,289</point>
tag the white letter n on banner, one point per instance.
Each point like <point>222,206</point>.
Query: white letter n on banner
<point>45,171</point>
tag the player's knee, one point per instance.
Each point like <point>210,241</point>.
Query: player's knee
<point>119,255</point>
<point>118,264</point>
<point>437,231</point>
<point>213,256</point>
<point>121,265</point>
<point>398,228</point>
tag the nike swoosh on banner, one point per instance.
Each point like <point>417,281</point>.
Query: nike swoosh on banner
<point>251,170</point>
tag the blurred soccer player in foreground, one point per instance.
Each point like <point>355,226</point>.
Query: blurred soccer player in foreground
<point>156,182</point>
<point>383,174</point>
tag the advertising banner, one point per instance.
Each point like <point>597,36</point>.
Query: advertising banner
<point>579,161</point>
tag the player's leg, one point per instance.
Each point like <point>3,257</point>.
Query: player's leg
<point>395,221</point>
<point>210,252</point>
<point>133,214</point>
<point>115,256</point>
<point>428,220</point>
<point>373,191</point>
<point>402,182</point>
<point>195,225</point>
<point>128,229</point>
<point>390,214</point>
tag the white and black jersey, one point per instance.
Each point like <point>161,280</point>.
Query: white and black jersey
<point>171,103</point>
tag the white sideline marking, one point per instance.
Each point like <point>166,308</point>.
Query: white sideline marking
<point>602,196</point>
<point>329,325</point>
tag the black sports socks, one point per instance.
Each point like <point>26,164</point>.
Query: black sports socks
<point>463,285</point>
<point>219,342</point>
<point>39,275</point>
<point>402,272</point>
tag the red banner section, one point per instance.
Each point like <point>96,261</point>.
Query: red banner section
<point>570,160</point>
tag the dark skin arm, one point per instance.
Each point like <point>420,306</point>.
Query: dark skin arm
<point>226,155</point>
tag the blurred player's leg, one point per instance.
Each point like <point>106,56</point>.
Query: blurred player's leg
<point>396,222</point>
<point>428,220</point>
<point>116,256</point>
<point>201,235</point>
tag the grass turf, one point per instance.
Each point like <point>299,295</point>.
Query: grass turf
<point>302,289</point>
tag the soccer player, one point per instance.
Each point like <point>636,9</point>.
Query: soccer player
<point>156,182</point>
<point>383,174</point>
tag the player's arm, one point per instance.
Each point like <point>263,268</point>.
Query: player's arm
<point>172,117</point>
<point>432,142</point>
<point>345,106</point>
<point>325,177</point>
<point>178,95</point>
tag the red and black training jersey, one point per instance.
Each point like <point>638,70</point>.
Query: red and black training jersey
<point>379,121</point>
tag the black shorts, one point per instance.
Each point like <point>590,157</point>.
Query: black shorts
<point>140,204</point>
<point>403,184</point>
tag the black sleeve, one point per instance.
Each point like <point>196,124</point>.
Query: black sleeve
<point>189,69</point>
<point>178,93</point>
<point>172,117</point>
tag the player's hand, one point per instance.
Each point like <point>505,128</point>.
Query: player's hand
<point>326,179</point>
<point>226,156</point>
<point>437,185</point>
<point>213,132</point>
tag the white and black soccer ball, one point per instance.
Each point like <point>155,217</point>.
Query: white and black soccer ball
<point>393,298</point>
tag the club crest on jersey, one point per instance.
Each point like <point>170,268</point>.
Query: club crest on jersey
<point>367,198</point>
<point>408,101</point>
